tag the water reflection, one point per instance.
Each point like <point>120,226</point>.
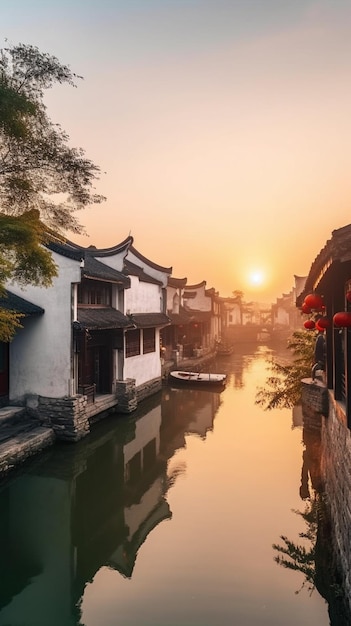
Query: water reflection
<point>313,555</point>
<point>73,523</point>
<point>92,505</point>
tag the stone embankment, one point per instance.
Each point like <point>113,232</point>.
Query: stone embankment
<point>22,436</point>
<point>332,464</point>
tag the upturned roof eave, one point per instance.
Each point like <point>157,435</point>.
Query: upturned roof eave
<point>336,249</point>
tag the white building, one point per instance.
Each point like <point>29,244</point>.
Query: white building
<point>95,340</point>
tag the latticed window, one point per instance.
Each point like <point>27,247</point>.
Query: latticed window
<point>94,292</point>
<point>149,340</point>
<point>133,342</point>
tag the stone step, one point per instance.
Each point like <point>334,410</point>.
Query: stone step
<point>10,428</point>
<point>11,414</point>
<point>24,444</point>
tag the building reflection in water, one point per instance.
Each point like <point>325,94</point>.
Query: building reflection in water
<point>313,556</point>
<point>90,505</point>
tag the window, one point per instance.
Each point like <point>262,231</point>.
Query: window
<point>132,342</point>
<point>93,292</point>
<point>149,342</point>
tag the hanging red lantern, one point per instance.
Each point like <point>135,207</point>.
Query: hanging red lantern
<point>348,296</point>
<point>342,319</point>
<point>322,323</point>
<point>306,309</point>
<point>314,301</point>
<point>309,324</point>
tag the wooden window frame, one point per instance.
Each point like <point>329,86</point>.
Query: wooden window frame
<point>94,293</point>
<point>149,340</point>
<point>133,342</point>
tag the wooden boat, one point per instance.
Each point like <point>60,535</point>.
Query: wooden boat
<point>197,379</point>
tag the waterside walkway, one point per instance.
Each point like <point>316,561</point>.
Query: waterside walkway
<point>22,437</point>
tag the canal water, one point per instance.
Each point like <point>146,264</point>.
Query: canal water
<point>168,517</point>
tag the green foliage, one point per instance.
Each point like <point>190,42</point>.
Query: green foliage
<point>22,255</point>
<point>9,323</point>
<point>283,387</point>
<point>298,557</point>
<point>38,168</point>
<point>43,180</point>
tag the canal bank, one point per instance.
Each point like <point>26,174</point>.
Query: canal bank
<point>24,433</point>
<point>330,471</point>
<point>166,517</point>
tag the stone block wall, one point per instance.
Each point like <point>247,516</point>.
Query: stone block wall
<point>126,395</point>
<point>67,416</point>
<point>315,395</point>
<point>336,473</point>
<point>148,389</point>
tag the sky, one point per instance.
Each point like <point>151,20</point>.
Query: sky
<point>221,127</point>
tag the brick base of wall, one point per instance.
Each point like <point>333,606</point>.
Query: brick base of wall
<point>315,396</point>
<point>328,447</point>
<point>126,395</point>
<point>67,416</point>
<point>336,472</point>
<point>148,389</point>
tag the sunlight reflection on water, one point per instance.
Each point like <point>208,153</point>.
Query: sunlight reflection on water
<point>166,517</point>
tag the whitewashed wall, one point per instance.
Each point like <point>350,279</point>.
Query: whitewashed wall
<point>40,353</point>
<point>115,261</point>
<point>171,292</point>
<point>144,367</point>
<point>201,302</point>
<point>159,274</point>
<point>234,312</point>
<point>142,297</point>
<point>281,316</point>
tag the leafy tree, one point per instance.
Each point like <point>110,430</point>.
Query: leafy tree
<point>43,180</point>
<point>238,294</point>
<point>283,387</point>
<point>297,557</point>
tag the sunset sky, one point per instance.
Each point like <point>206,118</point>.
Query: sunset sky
<point>222,128</point>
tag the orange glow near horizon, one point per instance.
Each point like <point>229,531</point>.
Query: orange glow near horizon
<point>222,131</point>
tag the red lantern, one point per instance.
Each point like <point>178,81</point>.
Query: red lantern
<point>305,309</point>
<point>314,301</point>
<point>323,323</point>
<point>309,324</point>
<point>342,319</point>
<point>348,296</point>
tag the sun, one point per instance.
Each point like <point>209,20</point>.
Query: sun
<point>256,278</point>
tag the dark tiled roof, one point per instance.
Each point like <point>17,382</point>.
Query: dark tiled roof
<point>148,320</point>
<point>211,292</point>
<point>177,282</point>
<point>151,263</point>
<point>183,317</point>
<point>102,318</point>
<point>101,271</point>
<point>189,294</point>
<point>14,303</point>
<point>116,249</point>
<point>200,316</point>
<point>130,269</point>
<point>338,248</point>
<point>66,249</point>
<point>69,249</point>
<point>197,286</point>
